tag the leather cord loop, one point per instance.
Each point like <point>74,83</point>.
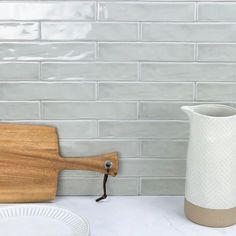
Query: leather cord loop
<point>104,196</point>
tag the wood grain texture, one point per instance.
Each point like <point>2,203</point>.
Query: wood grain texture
<point>30,163</point>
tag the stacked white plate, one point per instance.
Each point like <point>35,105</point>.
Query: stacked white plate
<point>41,220</point>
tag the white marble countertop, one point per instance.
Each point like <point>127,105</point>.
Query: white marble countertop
<point>138,216</point>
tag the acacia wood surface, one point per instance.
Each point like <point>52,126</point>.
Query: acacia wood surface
<point>30,163</point>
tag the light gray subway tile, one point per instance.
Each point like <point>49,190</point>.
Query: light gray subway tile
<point>46,51</point>
<point>75,129</point>
<point>46,91</point>
<point>74,148</point>
<point>175,149</point>
<point>89,110</point>
<point>19,30</point>
<point>146,51</point>
<point>151,11</point>
<point>77,173</point>
<point>19,71</point>
<point>143,129</point>
<point>162,111</point>
<point>188,72</point>
<point>224,11</point>
<point>162,186</point>
<point>152,167</point>
<point>145,91</point>
<point>189,32</point>
<point>93,186</point>
<point>47,10</point>
<point>216,91</point>
<point>19,110</point>
<point>217,52</point>
<point>89,71</point>
<point>68,129</point>
<point>89,31</point>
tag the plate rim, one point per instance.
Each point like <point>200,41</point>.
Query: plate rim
<point>43,205</point>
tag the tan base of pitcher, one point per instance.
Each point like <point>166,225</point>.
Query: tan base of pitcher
<point>210,217</point>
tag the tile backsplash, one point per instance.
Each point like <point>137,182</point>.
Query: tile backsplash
<point>112,75</point>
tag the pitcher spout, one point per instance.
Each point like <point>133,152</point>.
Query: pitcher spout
<point>188,110</point>
<point>210,111</point>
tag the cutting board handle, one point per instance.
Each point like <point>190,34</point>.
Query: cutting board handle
<point>92,163</point>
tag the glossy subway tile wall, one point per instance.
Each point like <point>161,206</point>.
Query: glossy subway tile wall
<point>111,76</point>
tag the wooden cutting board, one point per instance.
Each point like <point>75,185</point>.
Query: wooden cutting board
<point>30,163</point>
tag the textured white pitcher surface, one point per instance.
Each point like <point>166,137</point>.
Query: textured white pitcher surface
<point>210,191</point>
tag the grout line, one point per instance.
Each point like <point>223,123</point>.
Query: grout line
<point>124,121</point>
<point>115,41</point>
<point>98,129</point>
<point>98,11</point>
<point>196,52</point>
<point>115,120</point>
<point>109,21</point>
<point>140,31</point>
<point>197,12</point>
<point>101,139</point>
<point>151,101</point>
<point>139,187</point>
<point>139,71</point>
<point>195,59</point>
<point>104,82</point>
<point>119,61</point>
<point>39,31</point>
<point>40,110</point>
<point>96,92</point>
<point>140,148</point>
<point>138,109</point>
<point>195,92</point>
<point>40,71</point>
<point>92,42</point>
<point>97,48</point>
<point>95,51</point>
<point>124,102</point>
<point>123,21</point>
<point>45,81</point>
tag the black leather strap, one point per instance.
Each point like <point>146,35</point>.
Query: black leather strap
<point>104,196</point>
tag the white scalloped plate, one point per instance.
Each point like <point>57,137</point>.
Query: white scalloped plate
<point>41,220</point>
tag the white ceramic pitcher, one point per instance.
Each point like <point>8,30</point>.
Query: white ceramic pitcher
<point>210,191</point>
